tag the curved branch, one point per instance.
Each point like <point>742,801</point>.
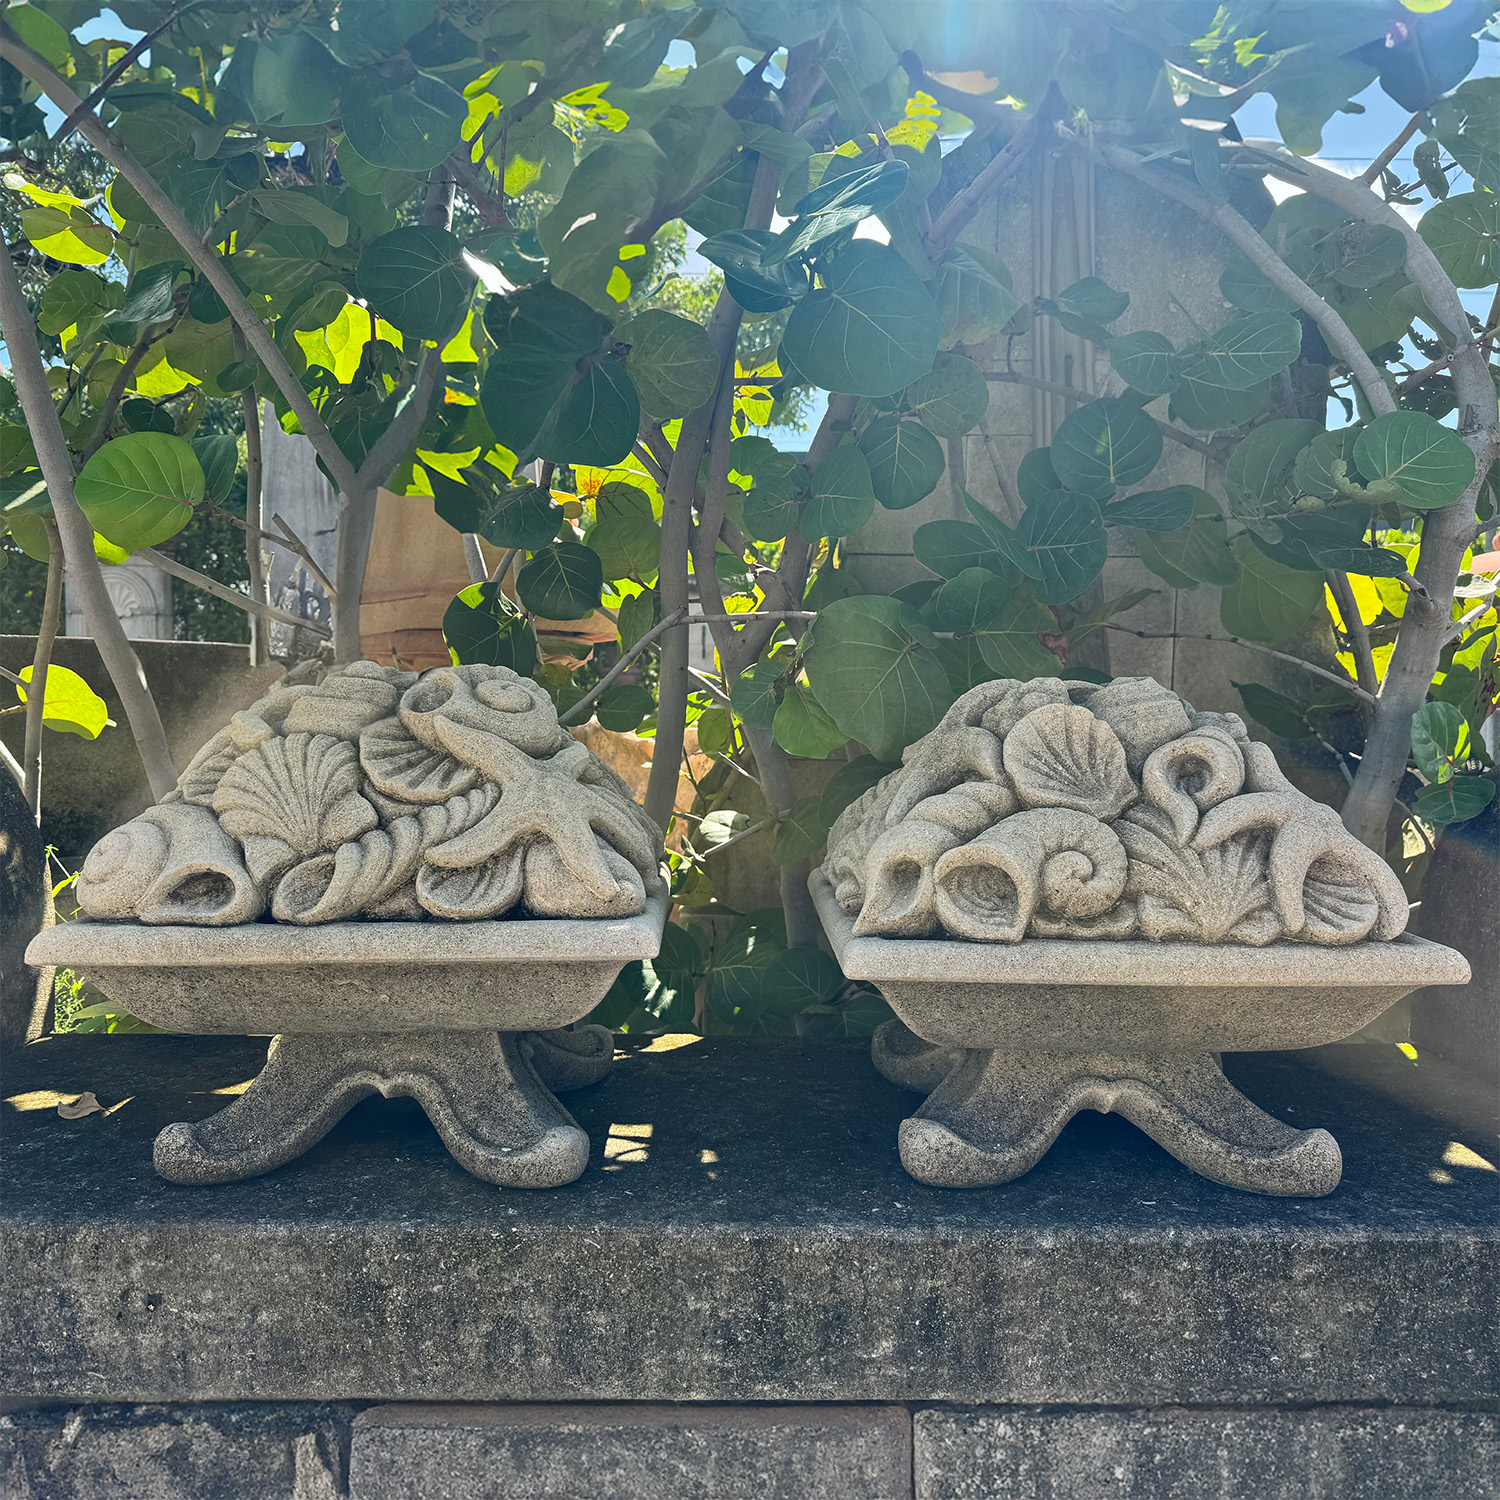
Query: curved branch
<point>110,147</point>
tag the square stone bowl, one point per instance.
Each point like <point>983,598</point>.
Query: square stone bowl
<point>262,977</point>
<point>1072,995</point>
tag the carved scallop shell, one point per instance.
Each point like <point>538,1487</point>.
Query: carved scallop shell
<point>1062,756</point>
<point>206,769</point>
<point>401,766</point>
<point>291,798</point>
<point>477,891</point>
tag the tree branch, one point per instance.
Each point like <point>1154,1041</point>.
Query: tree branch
<point>1234,640</point>
<point>589,699</point>
<point>227,594</point>
<point>109,146</point>
<point>963,205</point>
<point>1371,174</point>
<point>1357,631</point>
<point>77,535</point>
<point>41,660</point>
<point>1083,398</point>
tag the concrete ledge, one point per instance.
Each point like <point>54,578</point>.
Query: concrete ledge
<point>744,1232</point>
<point>632,1452</point>
<point>1337,1454</point>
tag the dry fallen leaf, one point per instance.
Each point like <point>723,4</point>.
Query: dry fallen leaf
<point>85,1104</point>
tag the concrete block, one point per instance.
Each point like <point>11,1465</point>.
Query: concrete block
<point>1337,1454</point>
<point>295,1451</point>
<point>631,1452</point>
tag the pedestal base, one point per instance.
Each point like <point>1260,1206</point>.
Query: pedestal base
<point>487,1094</point>
<point>994,1113</point>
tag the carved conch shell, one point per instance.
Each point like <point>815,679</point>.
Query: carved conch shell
<point>1059,858</point>
<point>1214,896</point>
<point>494,700</point>
<point>942,760</point>
<point>293,797</point>
<point>1007,708</point>
<point>1142,713</point>
<point>1062,756</point>
<point>1190,775</point>
<point>172,864</point>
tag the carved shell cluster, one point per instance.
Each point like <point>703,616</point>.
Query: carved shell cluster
<point>383,794</point>
<point>1065,809</point>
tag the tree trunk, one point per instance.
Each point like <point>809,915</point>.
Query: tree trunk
<point>36,693</point>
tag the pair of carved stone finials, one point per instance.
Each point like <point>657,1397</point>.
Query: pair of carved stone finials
<point>448,827</point>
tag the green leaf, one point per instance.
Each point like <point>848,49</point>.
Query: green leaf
<point>290,206</point>
<point>952,400</point>
<point>906,461</point>
<point>1066,538</point>
<point>598,422</point>
<point>1333,538</point>
<point>1009,645</point>
<point>802,726</point>
<point>1269,601</point>
<point>974,297</point>
<point>1153,510</point>
<point>638,615</point>
<point>67,234</point>
<point>1250,350</point>
<point>1428,160</point>
<point>1429,463</point>
<point>1275,711</point>
<point>752,694</point>
<point>1369,254</point>
<point>540,334</point>
<point>414,129</point>
<point>139,489</point>
<point>755,285</point>
<point>625,708</point>
<point>948,547</point>
<point>219,458</point>
<point>1196,553</point>
<point>487,504</point>
<point>24,494</point>
<point>1005,541</point>
<point>1244,285</point>
<point>870,330</point>
<point>146,416</point>
<point>1104,446</point>
<point>1145,361</point>
<point>800,977</point>
<point>1259,470</point>
<point>1092,300</point>
<point>562,582</point>
<point>1205,406</point>
<point>289,78</point>
<point>416,279</point>
<point>801,833</point>
<point>482,627</point>
<point>72,297</point>
<point>843,497</point>
<point>1036,479</point>
<point>1438,730</point>
<point>1454,801</point>
<point>1466,124</point>
<point>734,993</point>
<point>671,362</point>
<point>840,204</point>
<point>878,681</point>
<point>627,535</point>
<point>70,706</point>
<point>1464,234</point>
<point>970,601</point>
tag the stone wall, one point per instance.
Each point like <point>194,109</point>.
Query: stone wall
<point>605,1451</point>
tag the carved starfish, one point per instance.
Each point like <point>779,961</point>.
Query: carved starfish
<point>1305,833</point>
<point>540,799</point>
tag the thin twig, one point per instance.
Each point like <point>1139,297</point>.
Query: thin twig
<point>1461,625</point>
<point>965,204</point>
<point>1386,157</point>
<point>1418,377</point>
<point>1415,822</point>
<point>708,682</point>
<point>301,549</point>
<point>589,699</point>
<point>503,567</point>
<point>474,559</point>
<point>1357,631</point>
<point>1083,398</point>
<point>229,595</point>
<point>1234,640</point>
<point>744,833</point>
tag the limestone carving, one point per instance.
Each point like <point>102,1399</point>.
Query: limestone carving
<point>380,794</point>
<point>1064,809</point>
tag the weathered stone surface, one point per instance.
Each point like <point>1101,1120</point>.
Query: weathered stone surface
<point>744,1232</point>
<point>631,1452</point>
<point>295,1451</point>
<point>1405,1454</point>
<point>23,909</point>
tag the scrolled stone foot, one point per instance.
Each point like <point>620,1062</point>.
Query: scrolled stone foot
<point>903,1058</point>
<point>572,1057</point>
<point>482,1095</point>
<point>996,1114</point>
